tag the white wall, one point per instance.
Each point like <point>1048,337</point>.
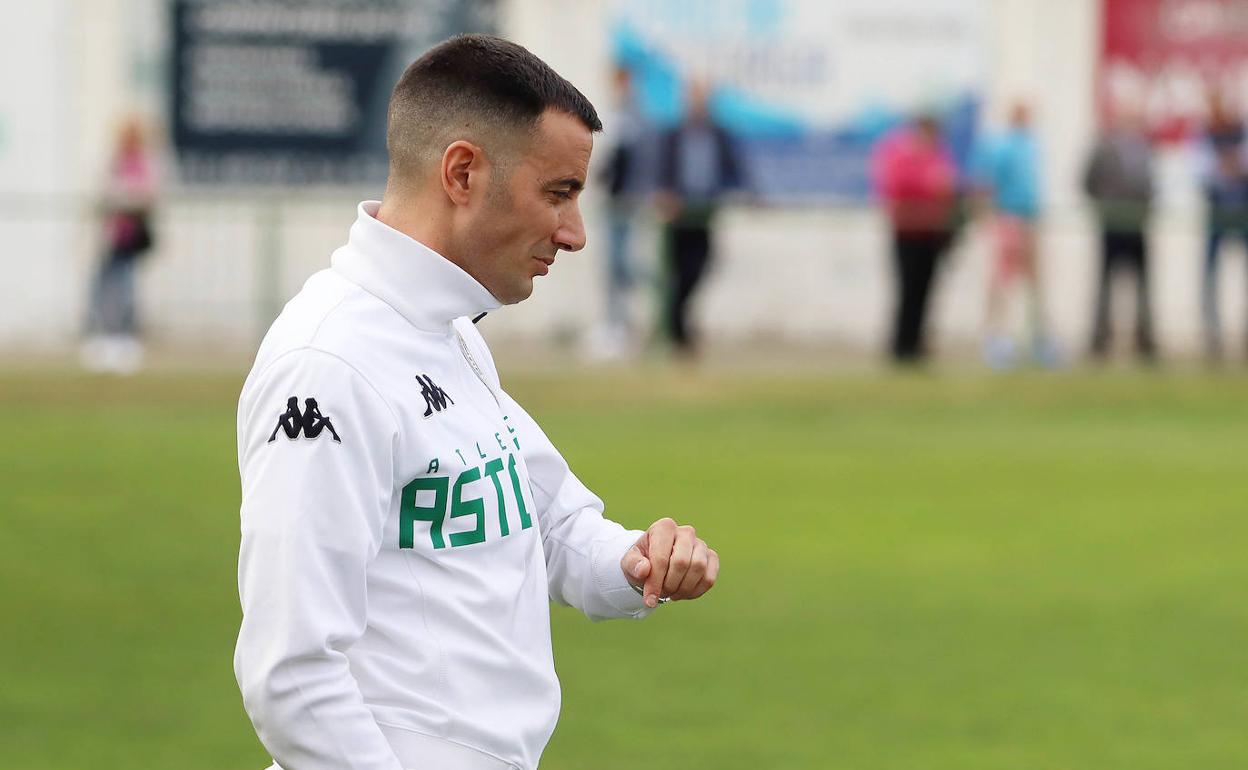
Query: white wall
<point>38,161</point>
<point>816,275</point>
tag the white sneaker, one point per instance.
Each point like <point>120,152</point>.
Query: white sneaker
<point>126,356</point>
<point>1000,353</point>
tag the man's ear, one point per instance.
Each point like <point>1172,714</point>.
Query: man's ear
<point>463,166</point>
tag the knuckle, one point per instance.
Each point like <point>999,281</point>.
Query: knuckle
<point>688,530</point>
<point>680,563</point>
<point>667,522</point>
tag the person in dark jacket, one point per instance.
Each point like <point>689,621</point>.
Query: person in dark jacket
<point>1224,178</point>
<point>698,166</point>
<point>1118,178</point>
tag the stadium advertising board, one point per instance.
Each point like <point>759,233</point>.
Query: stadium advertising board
<point>808,86</point>
<point>294,92</point>
<point>1165,56</point>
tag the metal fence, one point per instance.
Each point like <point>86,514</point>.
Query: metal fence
<point>226,261</point>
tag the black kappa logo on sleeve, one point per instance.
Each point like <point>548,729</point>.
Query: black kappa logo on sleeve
<point>310,422</point>
<point>435,398</point>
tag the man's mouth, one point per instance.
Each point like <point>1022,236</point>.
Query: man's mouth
<point>546,263</point>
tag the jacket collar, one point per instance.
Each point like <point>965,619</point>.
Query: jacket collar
<point>425,287</point>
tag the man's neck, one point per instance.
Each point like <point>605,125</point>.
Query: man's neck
<point>419,221</point>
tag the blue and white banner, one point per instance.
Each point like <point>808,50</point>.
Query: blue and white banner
<point>293,92</point>
<point>808,86</point>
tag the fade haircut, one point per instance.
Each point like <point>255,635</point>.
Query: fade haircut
<point>479,88</point>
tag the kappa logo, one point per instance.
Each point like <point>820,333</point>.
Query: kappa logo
<point>435,398</point>
<point>310,422</point>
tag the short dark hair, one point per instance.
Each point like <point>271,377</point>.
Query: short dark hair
<point>476,87</point>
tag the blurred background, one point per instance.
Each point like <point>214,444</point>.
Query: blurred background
<point>263,123</point>
<point>932,315</point>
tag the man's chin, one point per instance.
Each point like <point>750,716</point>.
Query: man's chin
<point>518,293</point>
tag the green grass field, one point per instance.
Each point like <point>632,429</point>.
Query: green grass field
<point>920,572</point>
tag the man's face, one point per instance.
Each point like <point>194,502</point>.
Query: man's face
<point>1020,116</point>
<point>536,213</point>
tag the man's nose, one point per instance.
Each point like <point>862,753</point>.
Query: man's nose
<point>571,233</point>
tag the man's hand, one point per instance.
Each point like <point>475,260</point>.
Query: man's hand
<point>672,562</point>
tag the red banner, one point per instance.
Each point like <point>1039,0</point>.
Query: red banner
<point>1166,57</point>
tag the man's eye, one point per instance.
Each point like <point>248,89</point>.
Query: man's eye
<point>563,194</point>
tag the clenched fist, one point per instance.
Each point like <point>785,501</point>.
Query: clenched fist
<point>671,562</point>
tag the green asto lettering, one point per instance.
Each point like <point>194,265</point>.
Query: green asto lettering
<point>492,469</point>
<point>525,521</point>
<point>410,512</point>
<point>472,507</point>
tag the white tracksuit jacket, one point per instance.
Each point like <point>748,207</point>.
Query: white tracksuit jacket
<point>404,525</point>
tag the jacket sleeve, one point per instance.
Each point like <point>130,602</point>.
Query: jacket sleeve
<point>312,513</point>
<point>583,549</point>
<point>732,172</point>
<point>667,175</point>
<point>616,171</point>
<point>1094,172</point>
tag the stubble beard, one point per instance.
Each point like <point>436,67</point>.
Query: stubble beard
<point>500,209</point>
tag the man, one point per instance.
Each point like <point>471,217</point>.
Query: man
<point>698,167</point>
<point>1223,159</point>
<point>624,177</point>
<point>1118,178</point>
<point>395,576</point>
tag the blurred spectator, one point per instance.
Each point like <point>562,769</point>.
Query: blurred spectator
<point>915,177</point>
<point>112,326</point>
<point>698,166</point>
<point>1006,179</point>
<point>1118,177</point>
<point>623,178</point>
<point>1224,176</point>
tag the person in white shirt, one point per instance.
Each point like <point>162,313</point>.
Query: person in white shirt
<point>405,523</point>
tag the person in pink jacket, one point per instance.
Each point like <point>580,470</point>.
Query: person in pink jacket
<point>112,342</point>
<point>915,178</point>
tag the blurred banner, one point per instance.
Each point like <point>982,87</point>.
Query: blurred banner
<point>807,86</point>
<point>1165,57</point>
<point>294,92</point>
